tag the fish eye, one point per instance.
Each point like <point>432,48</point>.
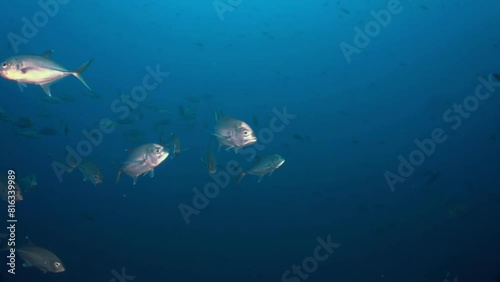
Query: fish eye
<point>245,132</point>
<point>157,150</point>
<point>57,264</point>
<point>4,65</point>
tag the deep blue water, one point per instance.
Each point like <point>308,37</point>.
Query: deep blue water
<point>350,118</point>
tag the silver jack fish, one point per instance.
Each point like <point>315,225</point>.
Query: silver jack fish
<point>232,133</point>
<point>263,166</point>
<point>40,258</point>
<point>142,160</point>
<point>88,168</point>
<point>38,69</point>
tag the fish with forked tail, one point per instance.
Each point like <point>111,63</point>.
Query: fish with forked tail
<point>143,160</point>
<point>37,257</point>
<point>88,168</point>
<point>233,133</point>
<point>38,69</point>
<point>263,166</point>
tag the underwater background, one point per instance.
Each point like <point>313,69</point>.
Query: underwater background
<point>357,106</point>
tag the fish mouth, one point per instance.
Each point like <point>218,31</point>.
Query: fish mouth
<point>251,140</point>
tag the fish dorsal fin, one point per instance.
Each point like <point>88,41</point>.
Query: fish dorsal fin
<point>47,54</point>
<point>218,114</point>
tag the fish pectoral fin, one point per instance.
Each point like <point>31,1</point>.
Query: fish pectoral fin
<point>220,136</point>
<point>21,85</point>
<point>229,148</point>
<point>136,162</point>
<point>134,179</point>
<point>240,177</point>
<point>46,88</point>
<point>25,70</point>
<point>118,177</point>
<point>152,173</point>
<point>260,178</point>
<point>47,54</point>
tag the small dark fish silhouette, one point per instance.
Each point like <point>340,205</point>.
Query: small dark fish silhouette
<point>432,178</point>
<point>182,110</point>
<point>24,122</point>
<point>267,34</point>
<point>164,121</point>
<point>297,136</point>
<point>193,99</point>
<point>66,129</point>
<point>48,131</point>
<point>300,137</point>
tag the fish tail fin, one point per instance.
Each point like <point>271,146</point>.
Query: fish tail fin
<point>78,72</point>
<point>240,177</point>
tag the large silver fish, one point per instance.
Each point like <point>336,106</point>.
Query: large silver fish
<point>38,69</point>
<point>40,258</point>
<point>263,166</point>
<point>232,133</point>
<point>142,160</point>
